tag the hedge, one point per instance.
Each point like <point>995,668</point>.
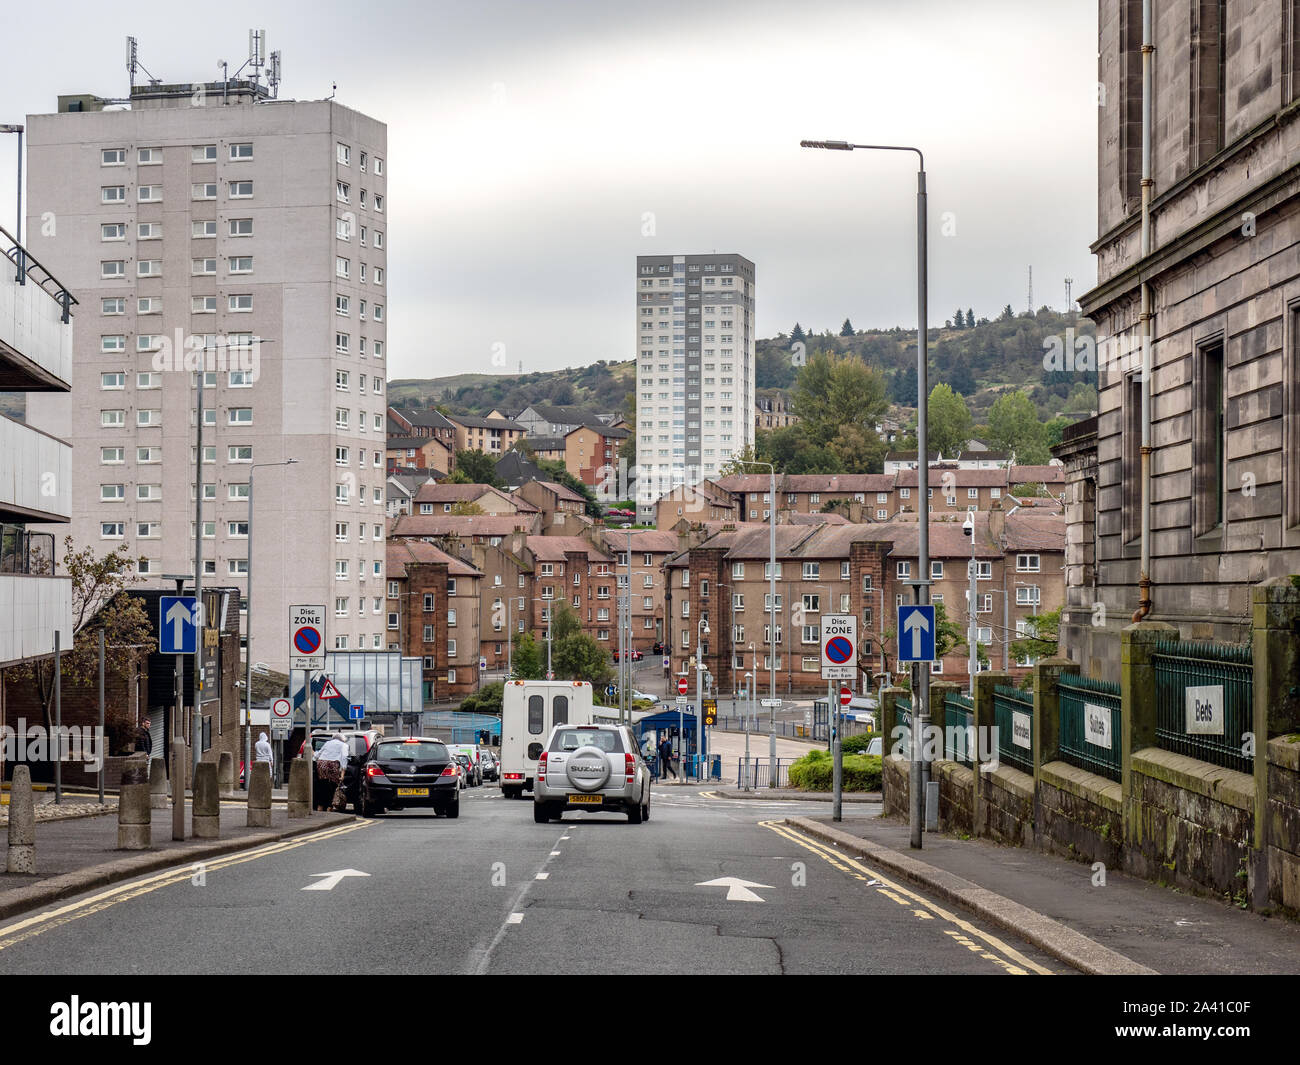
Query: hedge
<point>814,771</point>
<point>857,744</point>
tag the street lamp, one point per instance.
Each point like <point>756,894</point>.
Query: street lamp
<point>12,128</point>
<point>701,630</point>
<point>750,682</point>
<point>248,635</point>
<point>972,632</point>
<point>920,768</point>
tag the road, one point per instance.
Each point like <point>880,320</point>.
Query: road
<point>492,892</point>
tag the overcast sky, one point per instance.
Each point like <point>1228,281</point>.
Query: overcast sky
<point>531,143</point>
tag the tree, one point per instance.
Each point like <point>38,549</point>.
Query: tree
<point>487,700</point>
<point>575,655</point>
<point>528,661</point>
<point>902,385</point>
<point>798,333</point>
<point>846,330</point>
<point>737,464</point>
<point>1007,314</point>
<point>99,600</point>
<point>475,467</point>
<point>466,508</point>
<point>970,318</point>
<point>961,379</point>
<point>949,421</point>
<point>835,390</point>
<point>959,319</point>
<point>1042,636</point>
<point>1014,426</point>
<point>627,449</point>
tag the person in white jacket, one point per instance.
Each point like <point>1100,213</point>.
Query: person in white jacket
<point>262,752</point>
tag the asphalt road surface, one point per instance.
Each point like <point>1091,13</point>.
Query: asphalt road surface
<point>492,892</point>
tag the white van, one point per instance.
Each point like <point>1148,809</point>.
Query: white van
<point>529,708</point>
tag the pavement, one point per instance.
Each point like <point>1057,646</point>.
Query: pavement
<point>1122,925</point>
<point>76,850</point>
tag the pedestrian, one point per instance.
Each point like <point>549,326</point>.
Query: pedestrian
<point>666,759</point>
<point>143,738</point>
<point>648,752</point>
<point>262,752</point>
<point>330,760</point>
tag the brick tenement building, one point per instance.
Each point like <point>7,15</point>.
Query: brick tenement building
<point>432,613</point>
<point>568,569</point>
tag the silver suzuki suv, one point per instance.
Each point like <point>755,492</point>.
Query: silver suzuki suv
<point>591,767</point>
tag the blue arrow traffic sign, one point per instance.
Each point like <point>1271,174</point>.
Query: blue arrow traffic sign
<point>177,625</point>
<point>916,633</point>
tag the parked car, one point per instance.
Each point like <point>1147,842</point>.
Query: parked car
<point>491,767</point>
<point>591,767</point>
<point>409,772</point>
<point>472,776</point>
<point>657,649</point>
<point>876,746</point>
<point>644,695</point>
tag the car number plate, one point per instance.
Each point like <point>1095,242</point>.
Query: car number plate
<point>413,791</point>
<point>589,800</point>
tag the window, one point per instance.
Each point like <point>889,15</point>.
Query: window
<point>148,193</point>
<point>239,453</point>
<point>112,194</point>
<point>203,266</point>
<point>343,192</point>
<point>342,343</point>
<point>1027,595</point>
<point>148,305</point>
<point>148,530</point>
<point>112,455</point>
<point>239,227</point>
<point>379,280</point>
<point>109,381</point>
<point>342,267</point>
<point>237,567</point>
<point>146,418</point>
<point>1027,563</point>
<point>767,571</point>
<point>812,604</point>
<point>237,491</point>
<point>344,155</point>
<point>112,492</point>
<point>812,571</point>
<point>203,190</point>
<point>379,307</point>
<point>148,454</point>
<point>379,203</point>
<point>112,157</point>
<point>936,571</point>
<point>110,530</point>
<point>379,165</point>
<point>239,152</point>
<point>340,569</point>
<point>241,264</point>
<point>112,305</point>
<point>112,231</point>
<point>204,153</point>
<point>203,304</point>
<point>112,419</point>
<point>112,268</point>
<point>1209,461</point>
<point>241,190</point>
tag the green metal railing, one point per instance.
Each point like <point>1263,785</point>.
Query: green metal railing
<point>1008,701</point>
<point>1089,704</point>
<point>1227,671</point>
<point>959,728</point>
<point>903,718</point>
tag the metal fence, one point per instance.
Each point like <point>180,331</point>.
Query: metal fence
<point>1205,701</point>
<point>758,773</point>
<point>903,718</point>
<point>1008,704</point>
<point>959,728</point>
<point>1090,708</point>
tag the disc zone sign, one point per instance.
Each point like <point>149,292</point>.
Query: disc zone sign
<point>306,637</point>
<point>839,646</point>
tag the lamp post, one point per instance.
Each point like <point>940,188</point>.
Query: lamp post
<point>750,681</point>
<point>920,768</point>
<point>701,630</point>
<point>972,607</point>
<point>12,128</point>
<point>248,636</point>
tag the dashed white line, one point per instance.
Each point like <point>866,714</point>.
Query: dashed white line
<point>555,854</point>
<point>515,918</point>
<point>542,876</point>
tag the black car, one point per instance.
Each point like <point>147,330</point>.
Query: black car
<point>409,772</point>
<point>359,744</point>
<point>658,648</point>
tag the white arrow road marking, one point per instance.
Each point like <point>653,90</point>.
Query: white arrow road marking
<point>333,879</point>
<point>737,889</point>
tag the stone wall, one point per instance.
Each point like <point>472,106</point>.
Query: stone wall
<point>1283,832</point>
<point>956,797</point>
<point>1009,806</point>
<point>1078,815</point>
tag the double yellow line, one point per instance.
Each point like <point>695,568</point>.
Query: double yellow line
<point>962,931</point>
<point>30,927</point>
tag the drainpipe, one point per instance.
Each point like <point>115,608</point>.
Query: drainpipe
<point>1144,581</point>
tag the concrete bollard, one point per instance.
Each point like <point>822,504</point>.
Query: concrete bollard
<point>207,802</point>
<point>22,823</point>
<point>134,806</point>
<point>299,788</point>
<point>157,784</point>
<point>259,796</point>
<point>226,775</point>
<point>179,756</point>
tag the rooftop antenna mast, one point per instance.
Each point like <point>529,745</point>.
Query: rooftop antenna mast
<point>273,75</point>
<point>256,55</point>
<point>133,63</point>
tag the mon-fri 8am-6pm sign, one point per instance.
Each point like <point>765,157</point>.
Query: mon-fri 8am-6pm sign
<point>306,637</point>
<point>839,647</point>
